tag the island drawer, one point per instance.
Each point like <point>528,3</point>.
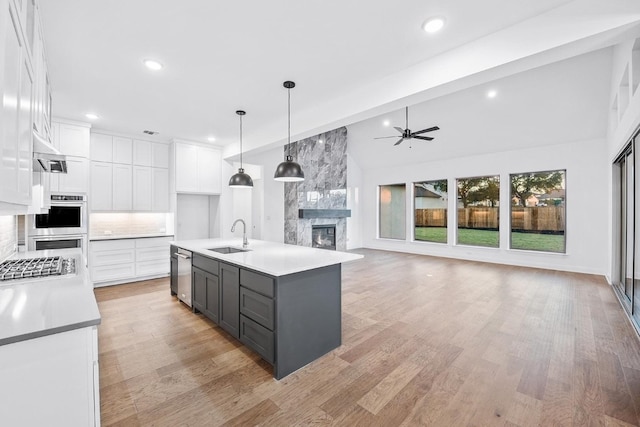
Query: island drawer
<point>207,264</point>
<point>257,307</point>
<point>257,337</point>
<point>257,282</point>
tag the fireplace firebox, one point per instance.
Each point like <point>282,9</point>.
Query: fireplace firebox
<point>323,236</point>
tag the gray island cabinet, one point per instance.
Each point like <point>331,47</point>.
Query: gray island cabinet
<point>289,319</point>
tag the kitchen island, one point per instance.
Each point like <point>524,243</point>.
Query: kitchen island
<point>283,301</point>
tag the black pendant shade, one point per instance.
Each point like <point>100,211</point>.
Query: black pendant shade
<point>289,171</point>
<point>241,179</point>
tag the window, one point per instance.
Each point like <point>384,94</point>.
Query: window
<point>392,211</point>
<point>430,211</point>
<point>478,211</point>
<point>538,211</point>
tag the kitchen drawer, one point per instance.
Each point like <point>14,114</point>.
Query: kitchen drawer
<point>257,282</point>
<point>105,273</point>
<point>257,307</point>
<point>207,264</point>
<point>112,257</point>
<point>258,338</point>
<point>103,245</point>
<point>150,254</point>
<point>152,268</point>
<point>153,242</point>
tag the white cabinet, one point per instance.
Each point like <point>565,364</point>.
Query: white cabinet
<point>142,188</point>
<point>112,260</point>
<point>142,153</point>
<point>197,169</point>
<point>71,139</point>
<point>111,187</point>
<point>122,150</point>
<point>16,91</point>
<point>101,196</point>
<point>160,156</point>
<point>160,190</point>
<point>140,178</point>
<point>118,261</point>
<point>122,187</point>
<point>75,180</point>
<point>51,380</point>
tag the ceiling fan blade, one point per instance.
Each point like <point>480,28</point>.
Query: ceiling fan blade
<point>425,138</point>
<point>399,129</point>
<point>399,141</point>
<point>426,130</point>
<point>383,137</point>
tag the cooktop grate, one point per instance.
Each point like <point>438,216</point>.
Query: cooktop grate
<point>36,267</point>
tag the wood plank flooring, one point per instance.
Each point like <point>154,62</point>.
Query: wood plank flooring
<point>426,342</point>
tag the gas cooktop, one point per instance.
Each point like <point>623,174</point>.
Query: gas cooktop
<point>36,267</point>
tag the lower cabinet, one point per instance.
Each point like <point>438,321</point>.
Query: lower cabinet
<point>230,299</point>
<point>126,260</point>
<point>51,380</point>
<point>206,293</point>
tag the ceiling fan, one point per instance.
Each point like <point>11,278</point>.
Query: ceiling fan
<point>407,134</point>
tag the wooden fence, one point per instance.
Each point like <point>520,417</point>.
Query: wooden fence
<point>542,218</point>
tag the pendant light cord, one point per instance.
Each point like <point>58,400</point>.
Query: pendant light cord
<point>240,141</point>
<point>289,121</point>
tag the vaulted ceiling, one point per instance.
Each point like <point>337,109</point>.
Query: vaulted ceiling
<point>350,63</point>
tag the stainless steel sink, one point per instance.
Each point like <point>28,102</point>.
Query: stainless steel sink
<point>227,250</point>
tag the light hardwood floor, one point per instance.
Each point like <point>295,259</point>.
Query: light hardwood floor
<point>426,341</point>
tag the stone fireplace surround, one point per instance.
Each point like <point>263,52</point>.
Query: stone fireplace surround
<point>324,188</point>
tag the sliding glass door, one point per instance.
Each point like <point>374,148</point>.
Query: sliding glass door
<point>628,284</point>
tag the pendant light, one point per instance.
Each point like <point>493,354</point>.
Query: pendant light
<point>241,179</point>
<point>289,171</point>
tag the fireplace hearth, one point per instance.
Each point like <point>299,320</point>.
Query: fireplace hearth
<point>323,236</point>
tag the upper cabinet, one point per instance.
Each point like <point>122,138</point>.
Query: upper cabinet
<point>128,174</point>
<point>197,168</point>
<point>71,138</point>
<point>16,89</point>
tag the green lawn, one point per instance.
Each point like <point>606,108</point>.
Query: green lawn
<point>527,241</point>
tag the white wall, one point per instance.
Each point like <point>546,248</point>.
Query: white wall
<point>272,207</point>
<point>354,189</point>
<point>587,213</point>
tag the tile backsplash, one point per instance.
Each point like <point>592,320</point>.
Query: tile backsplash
<point>130,223</point>
<point>8,235</point>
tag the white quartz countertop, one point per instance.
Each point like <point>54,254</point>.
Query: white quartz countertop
<point>31,308</point>
<point>275,259</point>
<point>126,236</point>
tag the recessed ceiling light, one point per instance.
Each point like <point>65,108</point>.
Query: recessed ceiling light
<point>153,65</point>
<point>320,141</point>
<point>386,123</point>
<point>492,93</point>
<point>211,139</point>
<point>92,116</point>
<point>433,25</point>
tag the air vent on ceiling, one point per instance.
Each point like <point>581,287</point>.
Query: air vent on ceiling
<point>150,132</point>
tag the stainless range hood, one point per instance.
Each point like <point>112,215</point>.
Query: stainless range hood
<point>46,157</point>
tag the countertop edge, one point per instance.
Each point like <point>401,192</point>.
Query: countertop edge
<point>46,332</point>
<point>128,236</point>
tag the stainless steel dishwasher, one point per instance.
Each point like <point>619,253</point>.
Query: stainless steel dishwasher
<point>184,276</point>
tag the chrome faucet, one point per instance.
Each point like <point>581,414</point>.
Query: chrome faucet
<point>245,243</point>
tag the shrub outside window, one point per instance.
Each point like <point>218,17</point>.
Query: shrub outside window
<point>538,211</point>
<point>479,211</point>
<point>430,211</point>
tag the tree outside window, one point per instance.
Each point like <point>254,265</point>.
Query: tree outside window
<point>538,211</point>
<point>478,211</point>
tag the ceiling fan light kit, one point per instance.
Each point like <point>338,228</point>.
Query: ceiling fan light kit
<point>407,134</point>
<point>289,171</point>
<point>241,179</point>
